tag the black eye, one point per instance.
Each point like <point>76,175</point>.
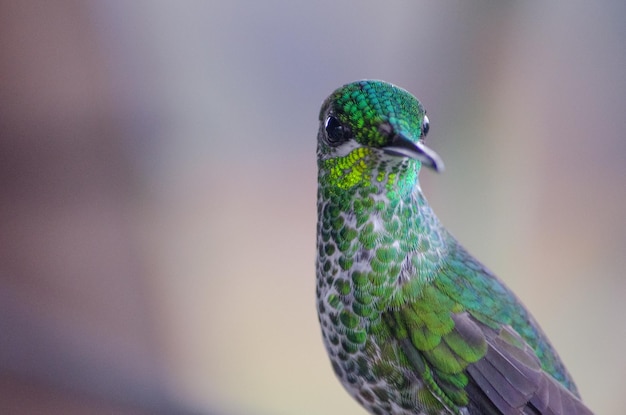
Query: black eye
<point>336,132</point>
<point>425,126</point>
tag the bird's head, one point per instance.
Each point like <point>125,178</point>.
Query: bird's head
<point>372,132</point>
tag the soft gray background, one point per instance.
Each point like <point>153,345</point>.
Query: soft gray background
<point>158,179</point>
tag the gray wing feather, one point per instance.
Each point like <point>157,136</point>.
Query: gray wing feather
<point>510,380</point>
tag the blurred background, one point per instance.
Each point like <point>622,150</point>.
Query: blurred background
<point>158,188</point>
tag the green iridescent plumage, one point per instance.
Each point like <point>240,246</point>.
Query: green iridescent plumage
<point>413,324</point>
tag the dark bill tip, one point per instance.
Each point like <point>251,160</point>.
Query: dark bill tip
<point>403,147</point>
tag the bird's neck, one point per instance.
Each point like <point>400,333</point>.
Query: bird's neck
<point>384,229</point>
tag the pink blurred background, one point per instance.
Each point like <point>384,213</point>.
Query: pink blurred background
<point>158,179</point>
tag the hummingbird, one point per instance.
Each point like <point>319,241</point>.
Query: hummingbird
<point>412,322</point>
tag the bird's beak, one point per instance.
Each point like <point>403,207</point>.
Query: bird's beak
<point>403,147</point>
